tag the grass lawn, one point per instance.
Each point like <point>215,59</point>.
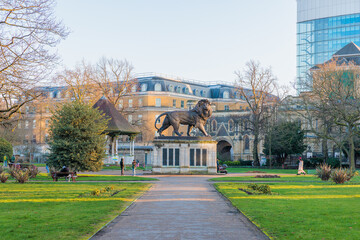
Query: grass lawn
<point>283,178</point>
<point>61,210</point>
<point>301,210</point>
<point>245,170</point>
<point>95,177</point>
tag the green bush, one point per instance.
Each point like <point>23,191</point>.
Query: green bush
<point>96,192</point>
<point>264,189</point>
<point>313,162</point>
<point>5,149</point>
<point>333,162</point>
<point>236,163</point>
<point>323,171</point>
<point>245,163</point>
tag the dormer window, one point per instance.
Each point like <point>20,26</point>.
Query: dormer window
<point>226,95</point>
<point>133,88</point>
<point>157,87</point>
<point>144,87</point>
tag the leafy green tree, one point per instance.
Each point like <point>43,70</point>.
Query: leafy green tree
<point>286,138</point>
<point>77,137</point>
<point>5,149</point>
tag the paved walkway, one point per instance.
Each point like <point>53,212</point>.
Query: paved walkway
<point>181,207</point>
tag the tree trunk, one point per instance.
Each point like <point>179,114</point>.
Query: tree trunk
<point>352,152</point>
<point>325,150</point>
<point>255,149</point>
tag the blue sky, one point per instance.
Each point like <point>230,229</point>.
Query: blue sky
<point>205,40</point>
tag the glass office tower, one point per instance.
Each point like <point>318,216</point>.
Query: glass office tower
<point>323,27</point>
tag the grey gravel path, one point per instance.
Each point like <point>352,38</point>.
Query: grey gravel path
<point>181,207</point>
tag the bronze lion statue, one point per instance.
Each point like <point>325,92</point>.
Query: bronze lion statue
<point>195,117</point>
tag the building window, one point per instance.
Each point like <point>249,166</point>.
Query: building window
<point>171,88</point>
<point>158,102</point>
<point>186,90</point>
<point>178,89</point>
<point>47,123</point>
<point>34,124</point>
<point>226,95</point>
<point>27,109</point>
<point>140,102</point>
<point>246,143</point>
<point>144,87</point>
<point>174,103</point>
<point>130,119</point>
<point>226,107</point>
<point>133,88</point>
<point>231,125</point>
<point>157,87</point>
<point>121,104</point>
<point>34,138</point>
<point>182,104</point>
<point>139,119</point>
<point>130,103</point>
<point>214,126</point>
<point>26,124</point>
<point>46,138</point>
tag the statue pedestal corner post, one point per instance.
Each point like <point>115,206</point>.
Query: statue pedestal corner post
<point>182,155</point>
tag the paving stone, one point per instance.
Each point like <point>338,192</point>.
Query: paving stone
<point>181,207</point>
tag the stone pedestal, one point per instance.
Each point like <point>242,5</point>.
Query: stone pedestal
<point>183,155</point>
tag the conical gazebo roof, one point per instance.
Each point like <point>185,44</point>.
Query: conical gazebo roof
<point>117,124</point>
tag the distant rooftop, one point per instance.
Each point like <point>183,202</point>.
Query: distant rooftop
<point>181,79</point>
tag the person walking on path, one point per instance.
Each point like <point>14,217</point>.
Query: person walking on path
<point>133,166</point>
<point>5,161</point>
<point>122,166</point>
<point>301,167</point>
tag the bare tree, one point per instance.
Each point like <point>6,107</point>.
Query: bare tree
<point>111,78</point>
<point>335,102</point>
<point>79,82</point>
<point>28,31</point>
<point>255,85</point>
<point>114,78</point>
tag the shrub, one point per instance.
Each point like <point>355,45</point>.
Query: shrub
<point>323,171</point>
<point>33,172</point>
<point>351,173</point>
<point>5,149</point>
<point>313,162</point>
<point>333,162</point>
<point>2,169</point>
<point>19,175</point>
<point>109,188</point>
<point>264,189</point>
<point>3,177</point>
<point>96,192</point>
<point>341,175</point>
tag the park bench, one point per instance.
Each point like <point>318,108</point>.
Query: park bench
<point>67,175</point>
